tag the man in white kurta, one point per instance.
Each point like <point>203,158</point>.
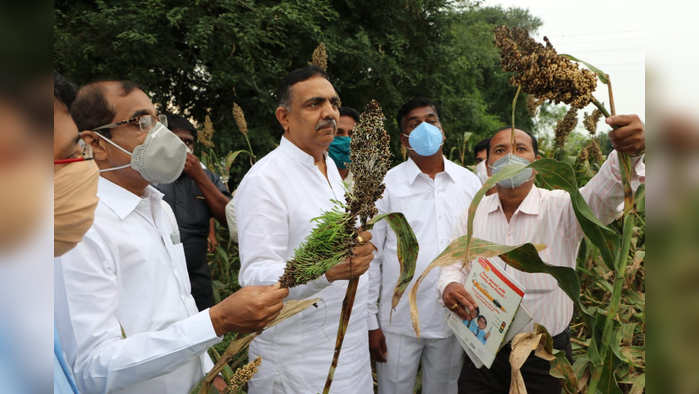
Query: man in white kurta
<point>123,307</point>
<point>530,214</point>
<point>428,202</point>
<point>274,206</point>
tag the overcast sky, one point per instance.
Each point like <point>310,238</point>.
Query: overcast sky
<point>612,40</point>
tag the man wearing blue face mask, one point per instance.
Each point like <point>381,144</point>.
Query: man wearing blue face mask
<point>125,315</point>
<point>428,189</point>
<point>520,212</point>
<point>339,149</point>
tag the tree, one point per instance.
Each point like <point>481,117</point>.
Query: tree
<point>200,57</point>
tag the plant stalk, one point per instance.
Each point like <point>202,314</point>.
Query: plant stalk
<point>252,154</point>
<point>514,105</point>
<point>347,304</point>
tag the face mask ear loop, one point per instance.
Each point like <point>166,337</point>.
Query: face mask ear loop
<point>114,144</point>
<point>118,147</point>
<point>116,168</point>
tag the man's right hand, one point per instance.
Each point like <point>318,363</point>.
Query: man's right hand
<point>248,309</point>
<point>459,301</point>
<point>377,345</point>
<point>357,264</point>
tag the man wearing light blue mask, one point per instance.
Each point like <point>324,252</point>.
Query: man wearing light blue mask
<point>519,213</point>
<point>339,149</point>
<point>429,190</point>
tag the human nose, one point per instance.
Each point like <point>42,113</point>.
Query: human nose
<point>330,111</point>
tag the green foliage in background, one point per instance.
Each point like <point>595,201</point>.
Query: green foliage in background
<point>202,56</point>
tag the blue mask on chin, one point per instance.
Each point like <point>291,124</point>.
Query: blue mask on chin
<point>425,139</point>
<point>339,151</point>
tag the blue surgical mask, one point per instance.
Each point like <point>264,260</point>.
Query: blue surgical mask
<point>519,178</point>
<point>425,139</point>
<point>339,151</point>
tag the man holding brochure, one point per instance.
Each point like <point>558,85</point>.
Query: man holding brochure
<point>519,213</point>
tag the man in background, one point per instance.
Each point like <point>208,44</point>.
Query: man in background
<point>339,149</point>
<point>480,152</point>
<point>196,197</point>
<point>428,189</point>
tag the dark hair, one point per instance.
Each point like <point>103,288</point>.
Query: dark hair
<point>484,319</point>
<point>63,90</point>
<point>178,122</point>
<point>351,112</point>
<point>294,77</point>
<point>416,102</point>
<point>482,145</point>
<point>535,144</point>
<point>91,109</point>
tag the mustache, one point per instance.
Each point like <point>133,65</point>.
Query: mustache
<point>325,123</point>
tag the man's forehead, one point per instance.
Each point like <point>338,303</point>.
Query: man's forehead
<point>125,106</point>
<point>504,136</point>
<point>421,112</point>
<point>313,87</point>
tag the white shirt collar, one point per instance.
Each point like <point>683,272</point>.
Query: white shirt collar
<point>413,171</point>
<point>122,201</point>
<point>530,204</point>
<point>295,153</point>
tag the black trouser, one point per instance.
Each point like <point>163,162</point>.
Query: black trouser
<point>198,269</point>
<point>535,372</point>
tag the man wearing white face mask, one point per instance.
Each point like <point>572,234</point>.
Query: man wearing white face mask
<point>127,320</point>
<point>427,188</point>
<point>519,213</point>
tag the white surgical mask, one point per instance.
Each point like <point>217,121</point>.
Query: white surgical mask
<point>159,159</point>
<point>519,178</point>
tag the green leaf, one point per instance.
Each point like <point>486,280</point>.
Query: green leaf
<point>604,77</point>
<point>526,258</point>
<point>408,249</point>
<point>561,176</point>
<point>561,368</point>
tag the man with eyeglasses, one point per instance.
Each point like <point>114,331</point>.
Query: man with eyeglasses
<point>126,320</point>
<point>196,197</point>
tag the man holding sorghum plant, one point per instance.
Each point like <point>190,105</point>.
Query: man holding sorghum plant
<point>520,212</point>
<point>127,320</point>
<point>431,192</point>
<point>274,206</point>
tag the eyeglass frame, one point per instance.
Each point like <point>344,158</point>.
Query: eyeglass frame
<point>162,118</point>
<point>85,154</point>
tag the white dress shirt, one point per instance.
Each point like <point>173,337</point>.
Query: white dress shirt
<point>129,273</point>
<point>433,208</point>
<point>547,217</point>
<point>274,206</point>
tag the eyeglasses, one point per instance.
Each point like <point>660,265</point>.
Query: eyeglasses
<point>145,122</point>
<point>85,154</point>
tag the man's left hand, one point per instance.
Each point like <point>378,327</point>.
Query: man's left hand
<point>629,135</point>
<point>192,167</point>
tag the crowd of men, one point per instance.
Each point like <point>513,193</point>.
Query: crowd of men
<point>134,310</point>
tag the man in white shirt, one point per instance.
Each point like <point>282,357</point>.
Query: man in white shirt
<point>520,212</point>
<point>428,189</point>
<point>274,206</point>
<point>123,308</point>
